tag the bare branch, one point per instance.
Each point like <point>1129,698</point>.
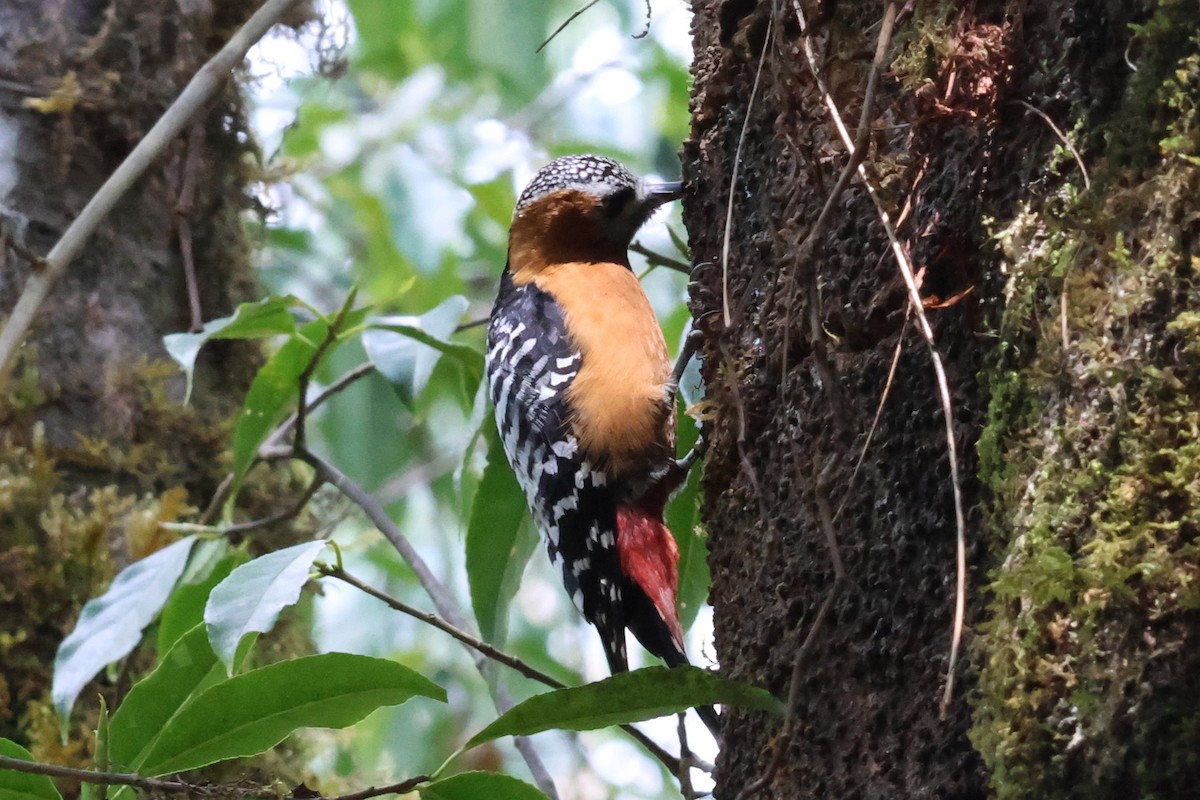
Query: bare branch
<point>331,335</point>
<point>200,90</point>
<point>403,787</point>
<point>155,785</point>
<point>1062,137</point>
<point>659,260</point>
<point>914,297</point>
<point>99,778</point>
<point>445,603</point>
<point>482,647</point>
<point>288,513</point>
<point>182,218</point>
<point>359,372</point>
<point>461,635</point>
<point>563,27</point>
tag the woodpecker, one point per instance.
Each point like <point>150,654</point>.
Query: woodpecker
<point>582,386</point>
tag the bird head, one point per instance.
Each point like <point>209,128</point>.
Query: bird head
<point>584,208</point>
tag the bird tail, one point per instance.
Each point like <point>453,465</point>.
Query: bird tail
<point>650,563</point>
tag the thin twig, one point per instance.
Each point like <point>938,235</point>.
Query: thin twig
<point>445,603</point>
<point>887,390</point>
<point>289,513</point>
<point>891,376</point>
<point>155,785</point>
<point>473,323</point>
<point>331,335</point>
<point>914,296</point>
<point>36,262</point>
<point>1062,316</point>
<point>182,218</point>
<point>285,427</point>
<point>217,501</point>
<point>98,778</point>
<point>1062,137</point>
<point>273,441</point>
<point>403,787</point>
<point>659,260</point>
<point>203,86</point>
<point>562,27</point>
<point>857,150</point>
<point>685,767</point>
<point>474,642</point>
<point>500,657</point>
<point>737,162</point>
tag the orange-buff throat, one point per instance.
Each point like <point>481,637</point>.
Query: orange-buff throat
<point>650,558</point>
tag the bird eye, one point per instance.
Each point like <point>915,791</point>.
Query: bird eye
<point>613,204</point>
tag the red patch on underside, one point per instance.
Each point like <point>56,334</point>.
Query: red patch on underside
<point>650,557</point>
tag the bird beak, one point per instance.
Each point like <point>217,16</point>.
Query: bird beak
<point>660,192</point>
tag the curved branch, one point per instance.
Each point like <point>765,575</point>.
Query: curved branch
<point>202,88</point>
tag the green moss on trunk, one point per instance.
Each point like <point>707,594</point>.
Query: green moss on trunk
<point>1092,454</point>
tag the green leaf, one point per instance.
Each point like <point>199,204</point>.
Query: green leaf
<point>111,625</point>
<point>253,712</point>
<point>477,785</point>
<point>495,199</point>
<point>682,520</point>
<point>102,761</point>
<point>383,31</point>
<point>275,389</point>
<point>211,562</point>
<point>521,26</point>
<point>268,317</point>
<point>250,599</point>
<point>271,392</point>
<point>497,550</point>
<point>628,697</point>
<point>21,785</point>
<point>405,349</point>
<point>188,667</point>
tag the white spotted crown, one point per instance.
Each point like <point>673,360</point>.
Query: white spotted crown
<point>586,172</point>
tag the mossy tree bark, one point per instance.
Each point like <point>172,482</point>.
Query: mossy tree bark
<point>1067,318</point>
<point>95,445</point>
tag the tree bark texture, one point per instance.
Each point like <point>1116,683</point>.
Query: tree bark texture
<point>95,445</point>
<point>1066,317</point>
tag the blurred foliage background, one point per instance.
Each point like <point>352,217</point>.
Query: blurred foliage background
<point>396,135</point>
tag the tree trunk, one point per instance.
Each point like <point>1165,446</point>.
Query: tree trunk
<point>95,447</point>
<point>1066,318</point>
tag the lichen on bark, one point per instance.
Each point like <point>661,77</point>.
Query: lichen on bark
<point>1093,457</point>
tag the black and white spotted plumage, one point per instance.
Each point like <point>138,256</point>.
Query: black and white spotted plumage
<point>582,385</point>
<point>531,363</point>
<point>576,172</point>
<point>581,381</point>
